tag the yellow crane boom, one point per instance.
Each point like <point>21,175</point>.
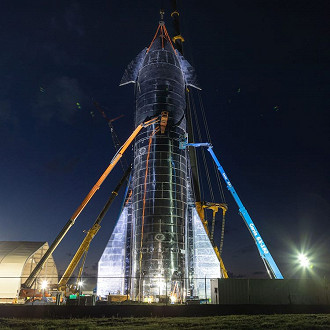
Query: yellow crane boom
<point>84,246</point>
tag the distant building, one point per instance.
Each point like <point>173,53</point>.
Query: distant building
<point>17,260</point>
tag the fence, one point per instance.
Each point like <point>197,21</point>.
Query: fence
<point>162,290</point>
<point>142,289</point>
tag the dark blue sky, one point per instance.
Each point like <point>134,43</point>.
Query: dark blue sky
<point>264,68</point>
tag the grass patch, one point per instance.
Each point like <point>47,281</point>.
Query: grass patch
<point>244,322</point>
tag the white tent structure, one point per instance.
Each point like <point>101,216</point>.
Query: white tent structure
<point>17,260</point>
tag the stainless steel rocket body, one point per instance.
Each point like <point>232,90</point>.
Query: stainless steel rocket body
<point>159,183</point>
<point>159,248</point>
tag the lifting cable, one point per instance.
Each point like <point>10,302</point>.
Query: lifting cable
<point>207,131</point>
<point>217,175</point>
<point>190,115</point>
<point>164,34</point>
<point>208,136</point>
<point>169,39</point>
<point>204,161</point>
<point>153,39</point>
<point>115,139</point>
<point>202,150</point>
<point>117,144</point>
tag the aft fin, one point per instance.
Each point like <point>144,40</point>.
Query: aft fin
<point>188,72</point>
<point>132,70</point>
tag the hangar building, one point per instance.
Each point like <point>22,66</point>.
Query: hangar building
<point>17,260</point>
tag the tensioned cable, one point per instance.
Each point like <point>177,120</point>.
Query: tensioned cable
<point>203,153</point>
<point>117,144</point>
<point>190,114</point>
<point>216,173</point>
<point>114,136</point>
<point>208,136</point>
<point>205,122</point>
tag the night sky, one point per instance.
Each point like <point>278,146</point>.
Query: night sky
<point>264,68</point>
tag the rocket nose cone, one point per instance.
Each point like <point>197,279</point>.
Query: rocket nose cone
<point>161,52</point>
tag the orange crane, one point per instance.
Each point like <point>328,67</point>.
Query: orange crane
<point>30,280</point>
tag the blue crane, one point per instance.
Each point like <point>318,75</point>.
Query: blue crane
<point>266,257</point>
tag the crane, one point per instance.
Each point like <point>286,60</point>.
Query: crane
<point>114,136</point>
<point>30,280</point>
<point>271,267</point>
<point>84,246</point>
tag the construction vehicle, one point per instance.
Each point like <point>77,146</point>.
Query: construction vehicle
<point>271,267</point>
<point>32,278</point>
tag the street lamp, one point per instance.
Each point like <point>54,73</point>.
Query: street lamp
<point>173,299</point>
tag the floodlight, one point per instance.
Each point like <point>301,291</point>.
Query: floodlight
<point>173,299</point>
<point>44,284</point>
<point>303,260</point>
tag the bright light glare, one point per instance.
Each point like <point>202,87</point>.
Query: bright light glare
<point>303,260</point>
<point>173,299</point>
<point>44,284</point>
<point>80,283</point>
